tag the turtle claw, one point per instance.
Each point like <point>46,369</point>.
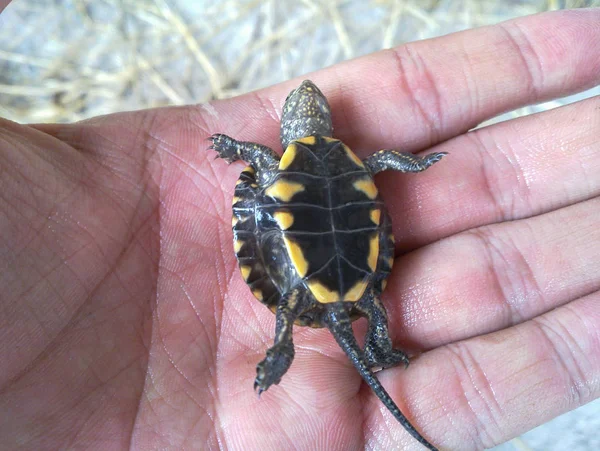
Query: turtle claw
<point>432,158</point>
<point>226,147</point>
<point>378,358</point>
<point>273,367</point>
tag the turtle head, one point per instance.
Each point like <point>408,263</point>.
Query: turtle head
<point>305,113</point>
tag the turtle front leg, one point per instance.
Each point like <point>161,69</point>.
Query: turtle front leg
<point>401,161</point>
<point>280,355</point>
<point>378,344</point>
<point>260,157</point>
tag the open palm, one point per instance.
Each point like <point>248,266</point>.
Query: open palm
<point>124,320</point>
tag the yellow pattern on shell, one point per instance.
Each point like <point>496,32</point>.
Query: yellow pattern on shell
<point>245,270</point>
<point>249,170</point>
<point>296,256</point>
<point>257,294</point>
<point>235,200</point>
<point>323,294</point>
<point>367,187</point>
<point>353,156</point>
<point>288,157</point>
<point>390,262</point>
<point>375,216</point>
<point>284,190</point>
<point>308,140</point>
<point>383,285</point>
<point>284,219</point>
<point>373,252</point>
<point>237,245</point>
<point>234,221</point>
<point>355,293</point>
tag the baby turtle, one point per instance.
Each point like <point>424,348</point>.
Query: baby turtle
<point>313,239</point>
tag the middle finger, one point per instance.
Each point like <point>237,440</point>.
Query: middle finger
<point>507,171</point>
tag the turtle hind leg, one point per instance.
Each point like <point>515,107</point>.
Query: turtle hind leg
<point>339,323</point>
<point>401,161</point>
<point>379,352</point>
<point>261,158</point>
<point>279,356</point>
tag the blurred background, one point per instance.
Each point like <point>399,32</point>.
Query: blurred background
<point>63,61</point>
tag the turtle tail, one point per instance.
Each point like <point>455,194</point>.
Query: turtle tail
<point>339,323</point>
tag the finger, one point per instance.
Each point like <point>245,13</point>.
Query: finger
<point>488,389</point>
<point>425,92</point>
<point>495,276</point>
<point>507,171</point>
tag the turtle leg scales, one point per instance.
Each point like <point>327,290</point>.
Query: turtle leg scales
<point>274,365</point>
<point>280,355</point>
<point>379,352</point>
<point>401,161</point>
<point>260,157</point>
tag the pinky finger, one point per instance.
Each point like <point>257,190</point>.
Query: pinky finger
<point>483,391</point>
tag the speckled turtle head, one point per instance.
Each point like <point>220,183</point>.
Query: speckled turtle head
<point>305,113</point>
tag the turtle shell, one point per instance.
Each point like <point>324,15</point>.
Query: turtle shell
<point>319,224</point>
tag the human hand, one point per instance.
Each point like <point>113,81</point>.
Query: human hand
<point>124,320</point>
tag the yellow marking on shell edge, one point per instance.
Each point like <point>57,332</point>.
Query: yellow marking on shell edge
<point>253,185</point>
<point>284,190</point>
<point>329,139</point>
<point>383,285</point>
<point>288,157</point>
<point>235,200</point>
<point>234,221</point>
<point>258,294</point>
<point>284,219</point>
<point>323,294</point>
<point>392,238</point>
<point>238,245</point>
<point>390,262</point>
<point>356,292</point>
<point>353,156</point>
<point>249,170</point>
<point>297,257</point>
<point>309,140</point>
<point>367,187</point>
<point>239,182</point>
<point>245,270</point>
<point>373,252</point>
<point>375,216</point>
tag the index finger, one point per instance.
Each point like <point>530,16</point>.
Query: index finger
<point>421,93</point>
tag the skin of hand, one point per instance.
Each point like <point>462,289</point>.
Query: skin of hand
<point>124,321</point>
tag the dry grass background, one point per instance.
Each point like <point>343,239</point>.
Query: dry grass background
<point>68,60</point>
<point>62,61</point>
